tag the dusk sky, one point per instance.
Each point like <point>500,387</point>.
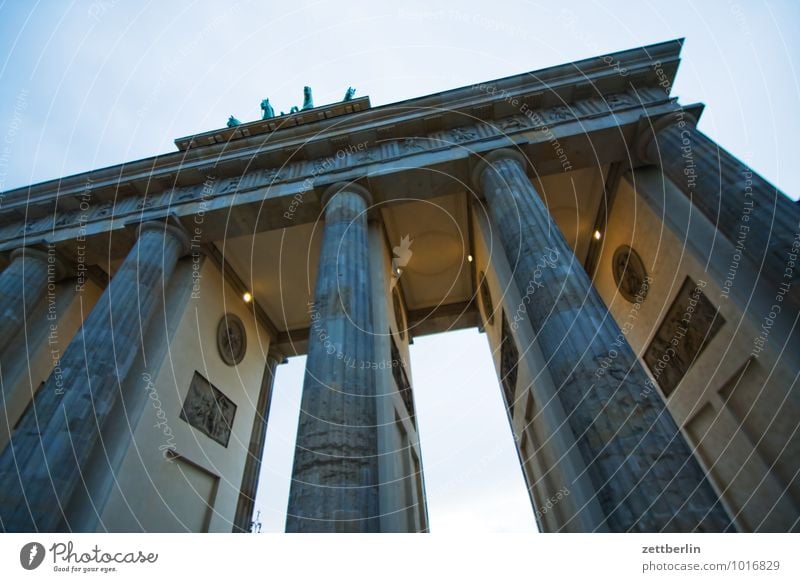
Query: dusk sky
<point>88,84</point>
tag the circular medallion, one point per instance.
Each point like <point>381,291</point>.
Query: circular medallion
<point>629,274</point>
<point>231,339</point>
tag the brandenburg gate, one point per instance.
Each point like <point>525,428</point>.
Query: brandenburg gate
<point>636,283</point>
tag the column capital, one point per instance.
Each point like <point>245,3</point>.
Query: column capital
<point>487,160</point>
<point>652,128</point>
<point>44,256</point>
<point>334,189</point>
<point>176,230</point>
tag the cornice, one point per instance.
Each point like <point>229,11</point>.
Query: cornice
<point>561,85</point>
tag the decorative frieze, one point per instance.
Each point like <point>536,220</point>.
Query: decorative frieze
<point>314,170</point>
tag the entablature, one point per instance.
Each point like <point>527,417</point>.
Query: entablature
<point>650,67</point>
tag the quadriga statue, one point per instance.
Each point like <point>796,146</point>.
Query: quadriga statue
<point>267,109</point>
<point>308,102</point>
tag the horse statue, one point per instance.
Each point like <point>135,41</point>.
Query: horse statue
<point>349,94</point>
<point>308,102</point>
<point>233,122</point>
<point>267,109</point>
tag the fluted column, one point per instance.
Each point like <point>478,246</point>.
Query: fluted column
<point>41,467</point>
<point>22,285</point>
<point>746,209</point>
<point>335,476</point>
<point>252,467</point>
<point>644,475</point>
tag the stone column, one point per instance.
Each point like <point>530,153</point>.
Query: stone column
<point>746,209</point>
<point>252,466</point>
<point>335,476</point>
<point>22,286</point>
<point>41,467</point>
<point>644,475</point>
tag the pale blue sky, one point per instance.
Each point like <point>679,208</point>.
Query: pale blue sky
<point>86,84</point>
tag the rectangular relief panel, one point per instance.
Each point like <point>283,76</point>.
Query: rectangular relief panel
<point>688,327</point>
<point>208,410</point>
<point>509,360</point>
<point>401,380</point>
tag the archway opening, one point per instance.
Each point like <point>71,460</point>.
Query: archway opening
<point>473,480</point>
